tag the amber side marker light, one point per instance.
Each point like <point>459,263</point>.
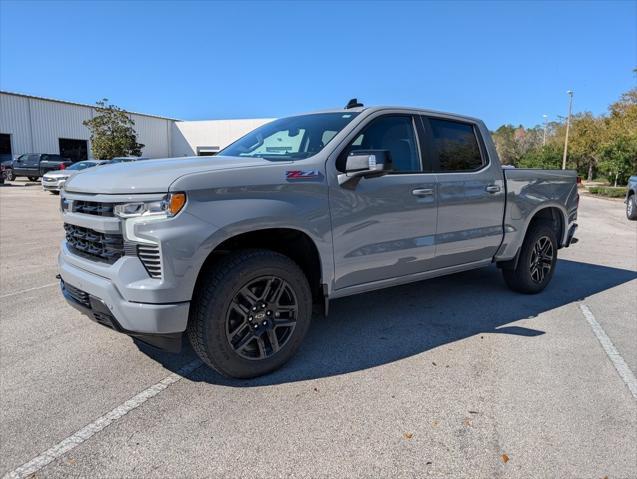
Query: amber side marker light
<point>176,202</point>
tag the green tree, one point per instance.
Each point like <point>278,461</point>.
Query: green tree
<point>618,147</point>
<point>585,140</point>
<point>112,132</point>
<point>547,157</point>
<point>619,160</point>
<point>514,143</point>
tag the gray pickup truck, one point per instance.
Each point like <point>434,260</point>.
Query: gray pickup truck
<point>235,250</point>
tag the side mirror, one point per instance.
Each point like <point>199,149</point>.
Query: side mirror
<point>365,164</point>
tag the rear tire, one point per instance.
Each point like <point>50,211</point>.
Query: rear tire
<point>9,176</point>
<point>537,261</point>
<point>250,313</point>
<point>631,208</point>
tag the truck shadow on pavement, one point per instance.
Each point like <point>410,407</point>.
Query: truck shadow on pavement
<point>381,327</point>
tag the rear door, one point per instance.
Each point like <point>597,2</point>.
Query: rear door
<point>384,227</point>
<point>470,192</point>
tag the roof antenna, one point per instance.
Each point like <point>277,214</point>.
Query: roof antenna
<point>353,103</point>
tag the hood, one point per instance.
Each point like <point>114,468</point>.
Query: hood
<point>151,176</point>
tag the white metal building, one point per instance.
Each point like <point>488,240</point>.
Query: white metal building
<point>30,124</point>
<point>209,136</point>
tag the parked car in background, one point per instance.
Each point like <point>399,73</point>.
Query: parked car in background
<point>53,162</point>
<point>6,160</point>
<point>6,166</point>
<point>126,159</point>
<point>53,181</point>
<point>631,198</point>
<point>34,165</point>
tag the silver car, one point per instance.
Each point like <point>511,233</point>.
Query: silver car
<point>53,181</point>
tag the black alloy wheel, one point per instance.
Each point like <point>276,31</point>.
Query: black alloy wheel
<point>536,262</point>
<point>261,317</point>
<point>250,312</point>
<point>541,259</point>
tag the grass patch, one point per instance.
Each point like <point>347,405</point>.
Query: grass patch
<point>609,191</point>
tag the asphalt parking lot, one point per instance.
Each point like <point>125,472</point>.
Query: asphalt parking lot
<point>455,377</point>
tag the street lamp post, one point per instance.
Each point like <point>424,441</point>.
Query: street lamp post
<point>545,125</point>
<point>568,124</point>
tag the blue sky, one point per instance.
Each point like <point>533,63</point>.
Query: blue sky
<point>505,62</point>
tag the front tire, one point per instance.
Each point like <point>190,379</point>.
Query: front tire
<point>250,313</point>
<point>537,260</point>
<point>10,176</point>
<point>631,208</point>
<point>33,178</point>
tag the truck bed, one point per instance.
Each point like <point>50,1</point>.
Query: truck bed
<point>529,190</point>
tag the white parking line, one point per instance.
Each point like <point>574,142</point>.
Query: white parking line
<point>88,431</point>
<point>28,289</point>
<point>611,351</point>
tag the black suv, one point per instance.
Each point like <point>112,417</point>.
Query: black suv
<point>35,165</point>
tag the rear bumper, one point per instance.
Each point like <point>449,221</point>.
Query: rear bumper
<point>570,239</point>
<point>99,298</point>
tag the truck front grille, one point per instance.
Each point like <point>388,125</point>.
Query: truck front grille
<point>151,258</point>
<point>93,244</point>
<point>93,208</point>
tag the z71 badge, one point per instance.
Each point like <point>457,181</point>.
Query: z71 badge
<point>303,175</point>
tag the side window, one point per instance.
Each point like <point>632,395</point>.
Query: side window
<point>393,133</point>
<point>455,146</point>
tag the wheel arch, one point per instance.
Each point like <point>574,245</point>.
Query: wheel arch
<point>292,242</point>
<point>553,213</point>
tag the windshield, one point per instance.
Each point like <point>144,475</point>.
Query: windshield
<point>292,138</point>
<point>81,165</point>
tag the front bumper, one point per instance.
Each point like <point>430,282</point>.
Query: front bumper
<point>97,311</point>
<point>160,325</point>
<point>52,185</point>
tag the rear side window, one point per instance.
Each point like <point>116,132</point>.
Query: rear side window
<point>455,146</point>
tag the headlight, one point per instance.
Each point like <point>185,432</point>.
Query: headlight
<point>169,206</point>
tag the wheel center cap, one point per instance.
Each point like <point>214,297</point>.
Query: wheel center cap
<point>260,315</point>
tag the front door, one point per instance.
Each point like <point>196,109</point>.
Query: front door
<point>384,227</point>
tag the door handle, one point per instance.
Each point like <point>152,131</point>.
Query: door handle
<point>422,192</point>
<point>493,189</point>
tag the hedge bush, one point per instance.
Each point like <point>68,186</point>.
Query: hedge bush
<point>610,191</point>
